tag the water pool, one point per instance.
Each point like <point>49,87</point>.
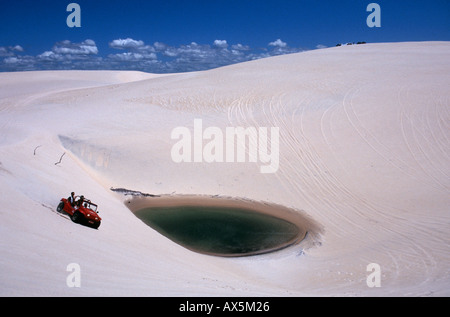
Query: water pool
<point>222,231</point>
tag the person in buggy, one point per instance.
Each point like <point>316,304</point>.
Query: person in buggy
<point>74,202</point>
<point>71,199</point>
<point>80,202</point>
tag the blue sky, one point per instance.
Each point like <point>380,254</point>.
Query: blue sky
<point>185,35</point>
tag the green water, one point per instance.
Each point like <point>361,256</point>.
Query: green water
<point>219,230</point>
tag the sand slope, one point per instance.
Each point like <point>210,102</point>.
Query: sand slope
<point>364,152</point>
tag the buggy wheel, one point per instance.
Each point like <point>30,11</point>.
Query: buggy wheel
<point>60,207</point>
<point>77,217</point>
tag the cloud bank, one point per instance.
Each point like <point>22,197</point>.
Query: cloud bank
<point>132,54</point>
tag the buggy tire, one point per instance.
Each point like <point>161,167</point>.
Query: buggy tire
<point>77,217</point>
<point>60,207</point>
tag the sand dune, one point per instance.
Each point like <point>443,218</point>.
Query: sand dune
<point>364,152</point>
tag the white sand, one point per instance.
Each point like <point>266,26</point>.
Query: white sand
<point>364,152</point>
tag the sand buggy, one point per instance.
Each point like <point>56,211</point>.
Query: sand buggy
<point>84,212</point>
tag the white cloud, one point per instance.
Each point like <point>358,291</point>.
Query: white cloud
<point>18,48</point>
<point>278,43</point>
<point>89,42</point>
<point>10,50</point>
<point>221,43</point>
<point>132,57</point>
<point>11,60</point>
<point>49,55</point>
<point>136,55</point>
<point>86,47</point>
<point>159,46</point>
<point>319,46</point>
<point>127,43</point>
<point>128,56</point>
<point>240,47</point>
<point>15,63</point>
<point>171,52</point>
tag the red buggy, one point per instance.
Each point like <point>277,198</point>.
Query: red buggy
<point>86,213</point>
